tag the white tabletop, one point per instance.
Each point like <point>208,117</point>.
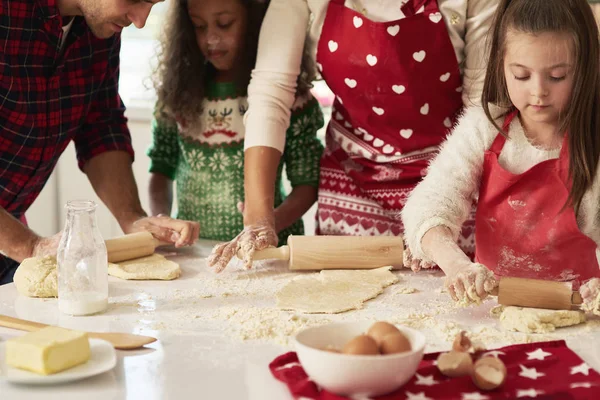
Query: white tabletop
<point>217,333</point>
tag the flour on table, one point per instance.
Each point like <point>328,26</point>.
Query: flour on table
<point>154,267</point>
<point>37,277</point>
<point>336,291</point>
<point>535,320</point>
<point>406,290</point>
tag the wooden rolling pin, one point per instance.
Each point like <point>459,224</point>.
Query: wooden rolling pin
<point>337,252</point>
<point>134,245</point>
<point>537,294</point>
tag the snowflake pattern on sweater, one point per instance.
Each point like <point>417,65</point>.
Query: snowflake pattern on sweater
<point>206,160</point>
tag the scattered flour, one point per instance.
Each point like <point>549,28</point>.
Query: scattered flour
<point>242,307</point>
<point>406,290</point>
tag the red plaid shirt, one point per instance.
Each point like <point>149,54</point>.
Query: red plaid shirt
<point>50,96</point>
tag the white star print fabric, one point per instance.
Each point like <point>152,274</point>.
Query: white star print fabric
<point>547,370</point>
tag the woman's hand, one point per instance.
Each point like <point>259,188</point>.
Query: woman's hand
<point>469,282</point>
<point>252,238</point>
<point>414,264</point>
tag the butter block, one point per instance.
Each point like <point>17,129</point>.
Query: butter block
<point>48,351</point>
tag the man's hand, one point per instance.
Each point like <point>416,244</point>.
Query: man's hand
<point>251,239</point>
<point>166,229</point>
<point>46,246</point>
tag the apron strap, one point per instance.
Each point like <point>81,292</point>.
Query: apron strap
<point>498,143</point>
<point>411,7</point>
<point>563,162</point>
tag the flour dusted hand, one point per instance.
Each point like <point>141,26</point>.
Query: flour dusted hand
<point>414,264</point>
<point>167,229</point>
<point>470,282</point>
<point>252,238</point>
<point>590,292</point>
<point>46,246</point>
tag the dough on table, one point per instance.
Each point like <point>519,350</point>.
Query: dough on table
<point>37,277</point>
<point>154,267</point>
<point>537,320</point>
<point>334,291</point>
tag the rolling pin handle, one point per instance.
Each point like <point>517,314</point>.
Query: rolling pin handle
<point>494,291</point>
<point>576,298</point>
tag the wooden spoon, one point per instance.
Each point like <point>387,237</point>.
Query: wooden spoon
<point>121,341</point>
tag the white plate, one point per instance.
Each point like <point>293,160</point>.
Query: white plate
<point>104,358</point>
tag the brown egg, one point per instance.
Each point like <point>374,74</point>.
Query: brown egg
<point>394,343</point>
<point>381,329</point>
<point>363,344</point>
<point>455,363</point>
<point>489,373</point>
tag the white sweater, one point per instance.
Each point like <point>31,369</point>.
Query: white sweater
<point>445,195</point>
<point>273,86</point>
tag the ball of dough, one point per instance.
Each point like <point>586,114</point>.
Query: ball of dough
<point>37,277</point>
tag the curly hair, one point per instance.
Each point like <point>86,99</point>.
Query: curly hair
<point>182,72</point>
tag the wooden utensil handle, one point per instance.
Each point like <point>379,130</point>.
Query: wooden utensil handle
<point>576,298</point>
<point>131,246</point>
<point>345,252</point>
<point>536,293</point>
<point>273,253</point>
<point>20,324</point>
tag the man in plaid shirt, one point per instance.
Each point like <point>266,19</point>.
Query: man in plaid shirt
<point>59,72</point>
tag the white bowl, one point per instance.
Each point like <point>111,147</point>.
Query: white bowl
<point>346,374</point>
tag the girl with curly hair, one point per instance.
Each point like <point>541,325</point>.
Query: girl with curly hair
<point>207,55</point>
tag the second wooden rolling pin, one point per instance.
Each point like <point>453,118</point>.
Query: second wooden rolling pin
<point>134,245</point>
<point>537,294</point>
<point>337,252</point>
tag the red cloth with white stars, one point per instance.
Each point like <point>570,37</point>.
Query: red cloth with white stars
<point>547,370</point>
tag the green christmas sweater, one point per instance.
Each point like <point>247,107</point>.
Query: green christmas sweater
<point>206,160</point>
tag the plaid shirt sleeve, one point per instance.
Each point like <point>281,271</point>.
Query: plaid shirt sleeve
<point>105,128</point>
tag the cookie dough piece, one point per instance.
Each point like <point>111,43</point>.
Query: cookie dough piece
<point>334,291</point>
<point>154,267</point>
<point>536,320</point>
<point>37,277</point>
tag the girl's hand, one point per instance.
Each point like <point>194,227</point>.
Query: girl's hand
<point>470,282</point>
<point>252,238</point>
<point>590,292</point>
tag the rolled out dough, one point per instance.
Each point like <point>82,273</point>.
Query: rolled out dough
<point>536,320</point>
<point>36,277</point>
<point>334,291</point>
<point>154,267</point>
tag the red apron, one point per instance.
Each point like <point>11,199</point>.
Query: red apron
<point>397,87</point>
<point>522,229</point>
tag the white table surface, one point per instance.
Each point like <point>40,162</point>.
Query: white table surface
<point>217,333</point>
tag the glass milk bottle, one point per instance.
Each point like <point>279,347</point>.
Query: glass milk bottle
<point>82,262</point>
